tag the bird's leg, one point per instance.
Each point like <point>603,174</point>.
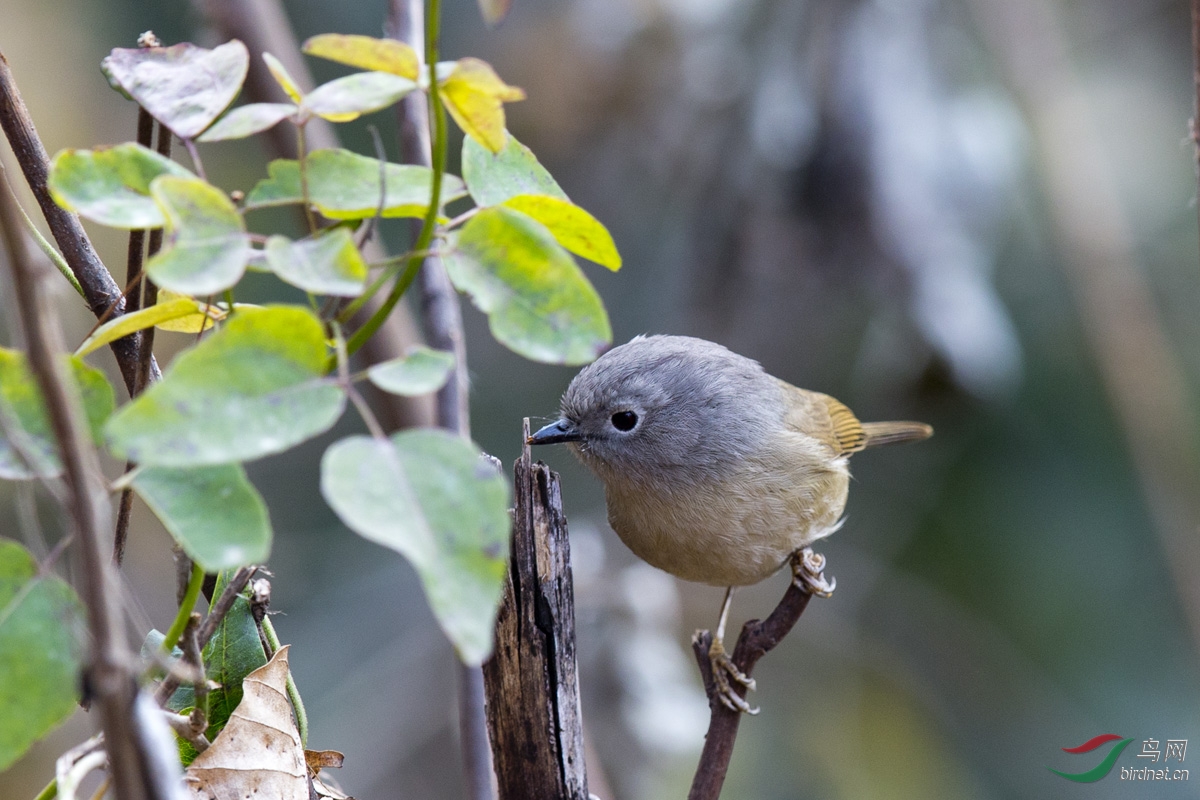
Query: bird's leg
<point>808,574</point>
<point>723,667</point>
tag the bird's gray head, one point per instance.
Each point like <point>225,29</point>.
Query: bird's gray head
<point>672,409</point>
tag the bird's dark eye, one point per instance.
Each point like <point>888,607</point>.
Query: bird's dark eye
<point>624,420</point>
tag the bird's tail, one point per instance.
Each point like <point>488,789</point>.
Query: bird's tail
<point>895,432</point>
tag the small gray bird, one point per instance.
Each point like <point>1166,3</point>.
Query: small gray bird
<point>713,470</point>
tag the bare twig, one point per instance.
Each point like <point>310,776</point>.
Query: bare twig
<point>216,612</point>
<point>100,290</point>
<point>756,640</point>
<point>110,677</point>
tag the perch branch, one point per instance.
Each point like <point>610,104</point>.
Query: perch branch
<point>756,640</point>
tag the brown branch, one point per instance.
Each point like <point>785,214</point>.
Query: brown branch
<point>532,684</point>
<point>204,633</point>
<point>110,676</point>
<point>756,640</point>
<point>99,288</point>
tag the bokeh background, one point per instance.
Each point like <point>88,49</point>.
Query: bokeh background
<point>977,213</point>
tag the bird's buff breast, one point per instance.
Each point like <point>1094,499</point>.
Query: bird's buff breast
<point>734,531</point>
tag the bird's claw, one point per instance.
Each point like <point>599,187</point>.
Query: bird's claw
<point>808,573</point>
<point>723,670</point>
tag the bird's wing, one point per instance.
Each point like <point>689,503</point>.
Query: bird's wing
<point>823,418</point>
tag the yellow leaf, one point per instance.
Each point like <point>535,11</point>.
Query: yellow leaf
<point>475,96</point>
<point>144,318</point>
<point>366,52</point>
<point>281,76</point>
<point>202,317</point>
<point>573,228</point>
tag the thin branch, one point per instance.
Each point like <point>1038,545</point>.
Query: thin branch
<point>100,290</point>
<point>756,640</point>
<point>110,677</point>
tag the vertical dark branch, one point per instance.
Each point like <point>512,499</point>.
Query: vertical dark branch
<point>532,688</point>
<point>111,679</point>
<point>99,288</point>
<point>143,340</point>
<point>442,319</point>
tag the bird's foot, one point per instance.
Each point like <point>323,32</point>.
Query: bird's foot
<point>724,671</point>
<point>808,573</point>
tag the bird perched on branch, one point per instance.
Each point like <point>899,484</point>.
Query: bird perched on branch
<point>713,470</point>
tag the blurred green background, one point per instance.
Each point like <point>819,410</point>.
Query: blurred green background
<point>977,213</point>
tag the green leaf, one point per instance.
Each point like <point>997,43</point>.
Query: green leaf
<point>184,87</point>
<point>537,300</point>
<point>326,264</point>
<point>111,185</point>
<point>495,177</point>
<point>420,371</point>
<point>345,185</point>
<point>366,52</point>
<point>41,646</point>
<point>281,76</point>
<point>213,513</point>
<point>139,320</point>
<point>253,388</point>
<point>247,120</point>
<point>233,653</point>
<point>26,419</point>
<point>347,98</point>
<point>206,247</point>
<point>573,228</point>
<point>475,96</point>
<point>431,497</point>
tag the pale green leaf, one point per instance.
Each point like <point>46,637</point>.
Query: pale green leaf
<point>281,76</point>
<point>111,185</point>
<point>252,388</point>
<point>345,185</point>
<point>573,228</point>
<point>419,371</point>
<point>41,648</point>
<point>247,120</point>
<point>433,498</point>
<point>184,87</point>
<point>493,178</point>
<point>28,448</point>
<point>538,302</point>
<point>494,11</point>
<point>325,264</point>
<point>214,513</point>
<point>206,246</point>
<point>347,98</point>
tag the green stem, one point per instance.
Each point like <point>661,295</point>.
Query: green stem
<point>185,609</point>
<point>293,693</point>
<point>302,157</point>
<point>438,115</point>
<point>50,792</point>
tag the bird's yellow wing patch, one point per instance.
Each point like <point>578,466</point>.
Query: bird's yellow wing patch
<point>825,419</point>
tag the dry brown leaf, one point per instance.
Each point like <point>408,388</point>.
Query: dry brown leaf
<point>258,754</point>
<point>318,760</point>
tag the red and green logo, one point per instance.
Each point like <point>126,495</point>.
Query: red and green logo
<point>1101,769</point>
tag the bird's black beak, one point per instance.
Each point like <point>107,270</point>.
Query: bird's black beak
<point>562,430</point>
